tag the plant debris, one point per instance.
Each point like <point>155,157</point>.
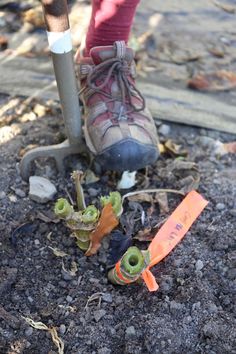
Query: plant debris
<point>41,326</point>
<point>221,80</point>
<point>107,222</point>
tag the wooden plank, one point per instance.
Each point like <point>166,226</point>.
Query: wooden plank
<point>35,78</point>
<point>189,107</point>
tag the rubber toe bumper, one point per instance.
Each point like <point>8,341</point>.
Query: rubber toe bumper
<point>128,155</point>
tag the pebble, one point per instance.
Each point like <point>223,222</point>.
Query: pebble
<point>164,129</point>
<point>199,265</point>
<point>36,242</point>
<point>212,308</point>
<point>69,298</point>
<point>20,193</point>
<point>130,332</point>
<point>93,192</point>
<point>62,329</point>
<point>2,195</point>
<point>29,331</point>
<point>99,314</point>
<point>30,299</point>
<point>41,189</point>
<point>220,206</point>
<point>40,110</point>
<point>107,298</point>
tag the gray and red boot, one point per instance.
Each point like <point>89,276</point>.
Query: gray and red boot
<point>119,129</point>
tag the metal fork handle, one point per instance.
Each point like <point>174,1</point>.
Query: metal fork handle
<point>58,31</point>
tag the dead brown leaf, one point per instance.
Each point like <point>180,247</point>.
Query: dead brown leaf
<point>221,80</point>
<point>225,7</point>
<point>230,147</point>
<point>142,197</point>
<point>106,224</point>
<point>174,149</point>
<point>41,326</point>
<point>144,235</point>
<point>3,42</point>
<point>35,17</point>
<point>45,218</point>
<point>57,252</point>
<point>162,200</point>
<point>190,183</point>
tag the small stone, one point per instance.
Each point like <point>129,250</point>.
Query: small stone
<point>36,242</point>
<point>29,331</point>
<point>196,306</point>
<point>69,298</point>
<point>41,189</point>
<point>30,299</point>
<point>130,332</point>
<point>93,192</point>
<point>206,142</point>
<point>12,198</point>
<point>20,193</point>
<point>40,110</point>
<point>232,212</point>
<point>2,195</point>
<point>199,265</point>
<point>62,329</point>
<point>99,314</point>
<point>220,206</point>
<point>107,298</point>
<point>164,129</point>
<point>212,308</point>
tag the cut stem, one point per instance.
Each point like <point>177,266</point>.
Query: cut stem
<point>77,177</point>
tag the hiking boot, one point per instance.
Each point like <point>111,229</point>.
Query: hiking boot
<point>119,129</point>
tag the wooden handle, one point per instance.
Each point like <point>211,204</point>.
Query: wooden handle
<point>56,15</point>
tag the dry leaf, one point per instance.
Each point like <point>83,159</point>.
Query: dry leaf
<point>180,165</point>
<point>189,183</point>
<point>41,326</point>
<point>174,149</point>
<point>57,252</point>
<point>95,296</point>
<point>45,218</point>
<point>221,80</point>
<point>106,224</point>
<point>142,197</point>
<point>49,235</point>
<point>230,147</point>
<point>74,268</point>
<point>225,7</point>
<point>35,17</point>
<point>90,177</point>
<point>162,200</point>
<point>3,42</point>
<point>144,235</point>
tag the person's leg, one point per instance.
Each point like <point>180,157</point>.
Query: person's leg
<point>111,21</point>
<point>119,129</point>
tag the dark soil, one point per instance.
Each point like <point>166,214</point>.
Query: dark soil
<point>194,309</point>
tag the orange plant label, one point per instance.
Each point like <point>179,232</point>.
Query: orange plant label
<point>106,224</point>
<point>172,232</point>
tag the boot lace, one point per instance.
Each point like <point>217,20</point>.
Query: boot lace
<point>118,69</point>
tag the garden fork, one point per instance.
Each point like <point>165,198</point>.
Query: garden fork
<point>59,38</point>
